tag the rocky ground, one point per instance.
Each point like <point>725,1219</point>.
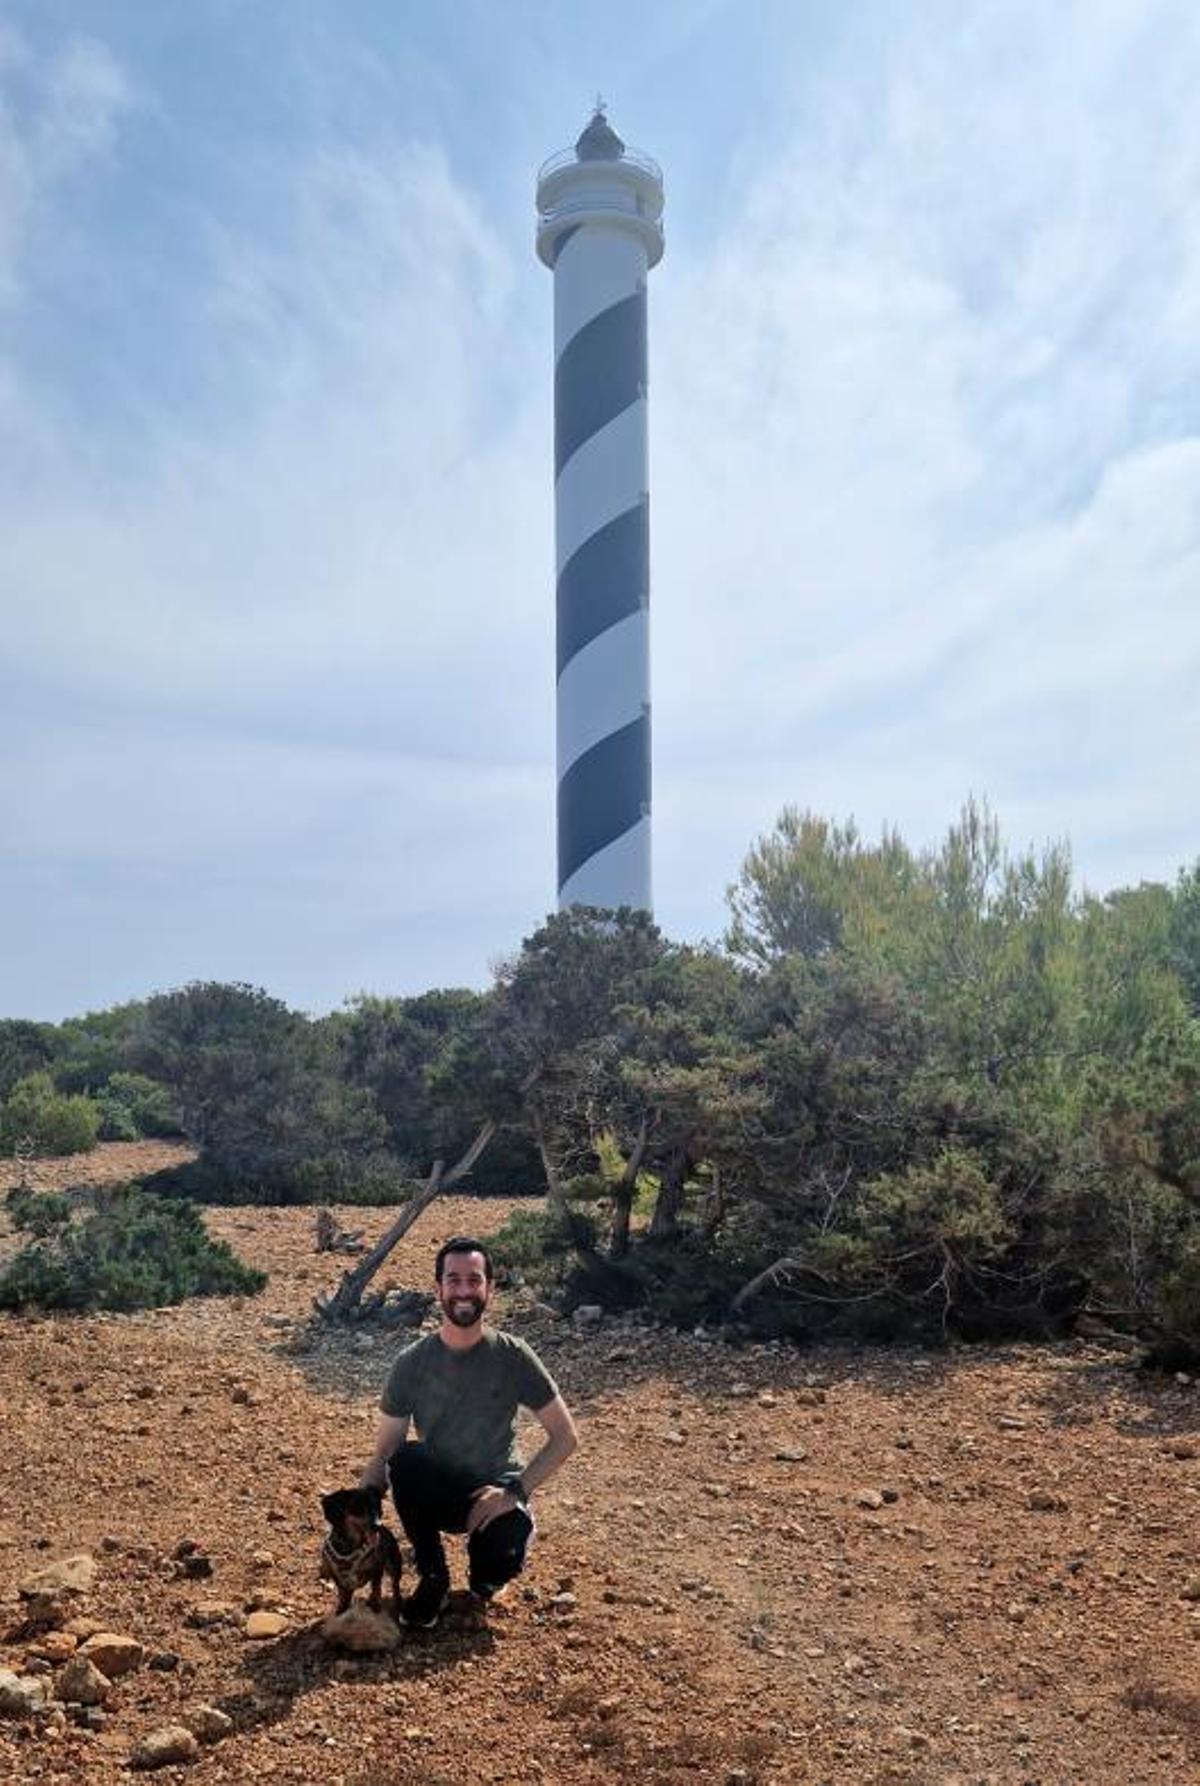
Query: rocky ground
<point>763,1566</point>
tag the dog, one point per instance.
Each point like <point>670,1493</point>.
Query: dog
<point>358,1549</point>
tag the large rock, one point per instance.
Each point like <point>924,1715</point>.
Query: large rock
<point>166,1747</point>
<point>113,1655</point>
<point>82,1683</point>
<point>266,1624</point>
<point>360,1630</point>
<point>20,1697</point>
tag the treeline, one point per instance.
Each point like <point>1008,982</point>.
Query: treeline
<point>910,1094</point>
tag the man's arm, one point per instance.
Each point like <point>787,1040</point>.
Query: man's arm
<point>561,1440</point>
<point>390,1435</point>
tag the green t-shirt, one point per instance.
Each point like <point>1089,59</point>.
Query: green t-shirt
<point>464,1404</point>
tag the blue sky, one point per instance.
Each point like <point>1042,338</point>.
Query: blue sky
<point>276,566</point>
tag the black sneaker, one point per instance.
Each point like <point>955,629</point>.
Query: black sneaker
<point>422,1609</point>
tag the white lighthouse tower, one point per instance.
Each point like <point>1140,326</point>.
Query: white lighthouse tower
<point>600,230</point>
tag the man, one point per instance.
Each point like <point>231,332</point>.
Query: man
<point>461,1387</point>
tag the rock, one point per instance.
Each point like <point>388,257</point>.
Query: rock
<point>207,1724</point>
<point>360,1630</point>
<point>163,1661</point>
<point>810,1398</point>
<point>588,1314</point>
<point>1191,1589</point>
<point>209,1612</point>
<point>20,1698</point>
<point>792,1454</point>
<point>890,1496</point>
<point>69,1576</point>
<point>113,1655</point>
<point>55,1646</point>
<point>263,1559</point>
<point>197,1566</point>
<point>1011,1423</point>
<point>563,1602</point>
<point>1040,1500</point>
<point>82,1683</point>
<point>1183,1451</point>
<point>868,1497</point>
<point>165,1747</point>
<point>265,1624</point>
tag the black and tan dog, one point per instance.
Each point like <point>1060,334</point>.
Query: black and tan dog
<point>358,1549</point>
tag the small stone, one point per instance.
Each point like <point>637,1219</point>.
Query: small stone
<point>207,1724</point>
<point>868,1497</point>
<point>890,1496</point>
<point>1191,1589</point>
<point>82,1683</point>
<point>164,1661</point>
<point>197,1566</point>
<point>55,1646</point>
<point>810,1398</point>
<point>674,1438</point>
<point>793,1454</point>
<point>112,1654</point>
<point>209,1612</point>
<point>589,1314</point>
<point>263,1559</point>
<point>1011,1423</point>
<point>262,1624</point>
<point>19,1697</point>
<point>1183,1451</point>
<point>563,1602</point>
<point>70,1576</point>
<point>166,1747</point>
<point>1040,1500</point>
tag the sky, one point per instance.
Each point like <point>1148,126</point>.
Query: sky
<point>276,505</point>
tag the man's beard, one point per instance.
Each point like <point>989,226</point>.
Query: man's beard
<point>464,1311</point>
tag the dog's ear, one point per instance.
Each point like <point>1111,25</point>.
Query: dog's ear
<point>331,1507</point>
<point>374,1500</point>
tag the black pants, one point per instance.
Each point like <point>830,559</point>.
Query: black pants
<point>432,1498</point>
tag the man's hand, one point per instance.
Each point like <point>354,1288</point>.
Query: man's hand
<point>487,1504</point>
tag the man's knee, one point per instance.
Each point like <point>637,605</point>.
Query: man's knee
<point>498,1551</point>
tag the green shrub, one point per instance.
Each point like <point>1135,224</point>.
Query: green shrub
<point>133,1107</point>
<point>534,1244</point>
<point>55,1124</point>
<point>131,1251</point>
<point>283,1182</point>
<point>39,1213</point>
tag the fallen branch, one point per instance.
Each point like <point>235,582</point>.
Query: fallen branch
<point>343,1304</point>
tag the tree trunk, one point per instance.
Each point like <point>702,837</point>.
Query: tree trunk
<point>341,1305</point>
<point>664,1223</point>
<point>618,1245</point>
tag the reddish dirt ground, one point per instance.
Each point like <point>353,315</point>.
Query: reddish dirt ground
<point>844,1567</point>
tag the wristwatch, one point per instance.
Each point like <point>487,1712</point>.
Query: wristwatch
<point>515,1486</point>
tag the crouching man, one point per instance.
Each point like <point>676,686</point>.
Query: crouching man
<point>461,1388</point>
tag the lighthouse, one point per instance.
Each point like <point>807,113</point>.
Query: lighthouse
<point>600,230</point>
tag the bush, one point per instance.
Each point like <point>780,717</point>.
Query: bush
<point>323,1179</point>
<point>134,1107</point>
<point>132,1251</point>
<point>39,1213</point>
<point>55,1124</point>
